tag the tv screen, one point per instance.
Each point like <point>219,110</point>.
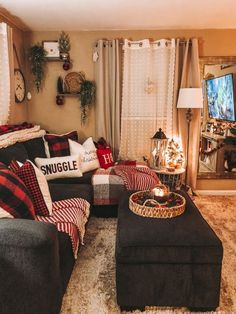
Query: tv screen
<point>220,97</point>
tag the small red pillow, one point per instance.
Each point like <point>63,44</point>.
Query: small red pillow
<point>105,157</point>
<point>59,145</point>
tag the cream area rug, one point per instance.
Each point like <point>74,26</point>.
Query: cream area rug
<point>91,289</point>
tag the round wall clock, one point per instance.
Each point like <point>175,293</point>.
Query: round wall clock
<point>19,86</point>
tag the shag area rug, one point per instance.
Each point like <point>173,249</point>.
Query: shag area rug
<point>91,289</point>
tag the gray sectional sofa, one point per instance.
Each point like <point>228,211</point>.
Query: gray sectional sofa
<point>36,261</point>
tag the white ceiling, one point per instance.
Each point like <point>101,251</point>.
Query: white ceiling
<point>54,15</point>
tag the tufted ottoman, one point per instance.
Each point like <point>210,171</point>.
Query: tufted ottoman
<point>167,262</point>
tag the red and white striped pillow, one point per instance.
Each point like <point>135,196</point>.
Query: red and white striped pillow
<point>37,185</point>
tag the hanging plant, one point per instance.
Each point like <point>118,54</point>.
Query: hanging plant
<point>86,96</point>
<point>37,56</point>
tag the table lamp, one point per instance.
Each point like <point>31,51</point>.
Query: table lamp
<point>189,98</point>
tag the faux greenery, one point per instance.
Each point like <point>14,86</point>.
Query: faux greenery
<point>86,96</point>
<point>64,42</point>
<point>37,59</point>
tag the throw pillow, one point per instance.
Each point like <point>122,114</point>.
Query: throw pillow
<point>87,153</point>
<point>15,201</point>
<point>105,157</point>
<point>58,145</point>
<point>59,167</point>
<point>37,185</point>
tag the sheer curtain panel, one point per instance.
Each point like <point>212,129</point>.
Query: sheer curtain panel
<point>107,58</point>
<point>147,95</point>
<point>4,75</point>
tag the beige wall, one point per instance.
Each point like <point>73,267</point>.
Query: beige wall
<point>43,110</point>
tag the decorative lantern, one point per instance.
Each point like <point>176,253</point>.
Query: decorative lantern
<point>159,145</point>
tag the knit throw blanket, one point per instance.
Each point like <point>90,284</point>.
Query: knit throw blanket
<point>20,133</point>
<point>137,178</point>
<point>8,128</point>
<point>70,216</point>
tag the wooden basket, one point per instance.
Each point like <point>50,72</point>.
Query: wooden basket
<point>158,210</point>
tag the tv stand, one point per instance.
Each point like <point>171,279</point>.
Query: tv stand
<point>214,151</point>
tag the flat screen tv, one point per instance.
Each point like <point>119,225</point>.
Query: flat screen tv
<point>220,98</point>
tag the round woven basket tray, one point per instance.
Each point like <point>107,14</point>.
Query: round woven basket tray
<point>156,209</point>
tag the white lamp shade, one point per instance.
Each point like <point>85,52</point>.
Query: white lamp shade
<point>190,98</point>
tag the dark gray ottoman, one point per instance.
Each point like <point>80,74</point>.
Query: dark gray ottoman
<point>167,262</point>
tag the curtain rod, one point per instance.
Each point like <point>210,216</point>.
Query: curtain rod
<point>182,42</point>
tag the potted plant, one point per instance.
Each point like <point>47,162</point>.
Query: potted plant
<point>86,96</point>
<point>64,46</point>
<point>37,56</point>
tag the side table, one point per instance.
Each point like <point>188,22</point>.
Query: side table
<point>173,179</point>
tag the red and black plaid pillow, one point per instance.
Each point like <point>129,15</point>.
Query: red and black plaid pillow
<point>15,199</point>
<point>37,189</point>
<point>59,145</point>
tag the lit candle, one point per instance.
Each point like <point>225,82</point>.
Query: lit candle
<point>158,192</point>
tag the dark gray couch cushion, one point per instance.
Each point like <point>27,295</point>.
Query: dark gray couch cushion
<point>64,191</point>
<point>85,179</point>
<point>16,151</point>
<point>35,148</point>
<point>183,239</point>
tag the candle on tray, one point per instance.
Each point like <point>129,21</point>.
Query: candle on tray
<point>160,193</point>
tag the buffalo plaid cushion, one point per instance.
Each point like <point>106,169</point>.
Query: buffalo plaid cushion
<point>15,199</point>
<point>29,177</point>
<point>59,145</point>
<point>14,166</point>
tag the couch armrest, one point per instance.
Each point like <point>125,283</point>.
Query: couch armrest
<point>60,191</point>
<point>29,267</point>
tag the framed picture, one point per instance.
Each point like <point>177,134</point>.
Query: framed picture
<point>52,48</point>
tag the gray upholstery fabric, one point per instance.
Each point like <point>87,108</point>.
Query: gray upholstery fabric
<point>29,267</point>
<point>65,191</point>
<point>167,262</point>
<point>16,151</point>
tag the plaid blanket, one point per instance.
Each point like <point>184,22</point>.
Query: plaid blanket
<point>109,184</point>
<point>8,128</point>
<point>107,187</point>
<point>70,216</point>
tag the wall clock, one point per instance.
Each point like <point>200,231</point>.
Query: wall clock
<point>19,86</point>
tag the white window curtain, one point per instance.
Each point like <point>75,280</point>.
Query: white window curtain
<point>4,75</point>
<point>147,95</point>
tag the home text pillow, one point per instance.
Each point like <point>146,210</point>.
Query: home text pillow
<point>15,201</point>
<point>105,157</point>
<point>87,153</point>
<point>59,167</point>
<point>37,185</point>
<point>58,145</point>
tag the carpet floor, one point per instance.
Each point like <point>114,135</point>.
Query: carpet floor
<point>91,289</point>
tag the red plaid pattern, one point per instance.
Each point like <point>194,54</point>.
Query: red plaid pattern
<point>70,216</point>
<point>59,145</point>
<point>28,176</point>
<point>8,128</point>
<point>14,166</point>
<point>14,196</point>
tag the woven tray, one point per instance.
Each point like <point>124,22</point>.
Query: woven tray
<point>153,209</point>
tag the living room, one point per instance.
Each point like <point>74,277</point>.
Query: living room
<point>31,26</point>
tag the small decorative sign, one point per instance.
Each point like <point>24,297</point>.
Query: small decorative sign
<point>52,49</point>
